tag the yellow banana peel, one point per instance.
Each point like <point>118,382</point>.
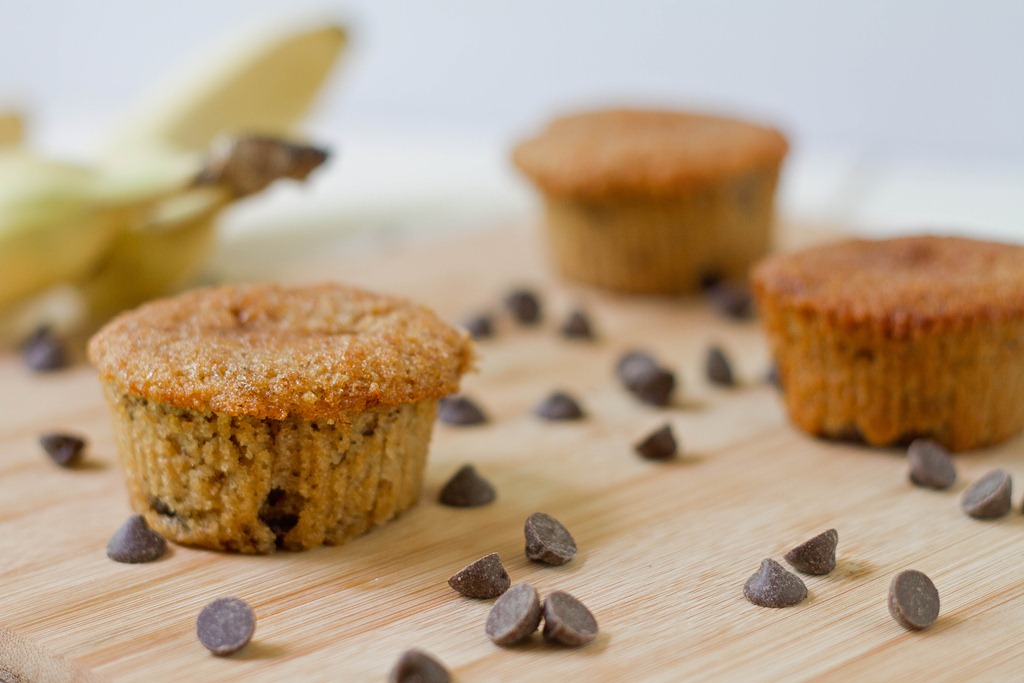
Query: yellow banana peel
<point>140,222</point>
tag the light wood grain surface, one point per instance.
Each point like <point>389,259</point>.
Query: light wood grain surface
<point>664,547</point>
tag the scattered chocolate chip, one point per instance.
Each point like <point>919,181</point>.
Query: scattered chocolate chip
<point>772,376</point>
<point>718,368</point>
<point>913,600</point>
<point>816,556</point>
<point>547,540</point>
<point>63,449</point>
<point>515,615</point>
<point>43,351</point>
<point>641,374</point>
<point>479,326</point>
<point>930,465</point>
<point>559,406</point>
<point>461,411</point>
<point>577,326</point>
<point>567,621</point>
<point>416,666</point>
<point>732,300</point>
<point>524,306</point>
<point>225,625</point>
<point>485,578</point>
<point>773,586</point>
<point>989,497</point>
<point>658,445</point>
<point>135,542</point>
<point>467,489</point>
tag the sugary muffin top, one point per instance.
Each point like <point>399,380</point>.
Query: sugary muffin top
<point>903,284</point>
<point>623,153</point>
<point>272,351</point>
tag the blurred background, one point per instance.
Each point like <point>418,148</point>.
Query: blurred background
<point>902,114</point>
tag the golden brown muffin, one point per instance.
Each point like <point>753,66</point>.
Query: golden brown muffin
<point>647,201</point>
<point>255,417</point>
<point>892,339</point>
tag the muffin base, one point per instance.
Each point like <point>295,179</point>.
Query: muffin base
<point>249,485</point>
<point>962,386</point>
<point>664,245</point>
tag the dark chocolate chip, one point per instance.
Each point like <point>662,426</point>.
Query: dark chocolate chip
<point>485,578</point>
<point>930,465</point>
<point>467,489</point>
<point>772,376</point>
<point>524,305</point>
<point>461,411</point>
<point>577,326</point>
<point>913,600</point>
<point>709,277</point>
<point>135,542</point>
<point>515,615</point>
<point>658,445</point>
<point>567,621</point>
<point>547,540</point>
<point>731,300</point>
<point>559,406</point>
<point>479,326</point>
<point>43,351</point>
<point>718,368</point>
<point>63,449</point>
<point>416,666</point>
<point>989,497</point>
<point>816,556</point>
<point>641,374</point>
<point>773,586</point>
<point>225,625</point>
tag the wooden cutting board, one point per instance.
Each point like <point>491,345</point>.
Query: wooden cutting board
<point>664,547</point>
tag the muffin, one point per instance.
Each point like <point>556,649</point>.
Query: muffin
<point>887,340</point>
<point>250,418</point>
<point>651,202</point>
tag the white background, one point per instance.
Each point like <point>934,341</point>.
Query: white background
<point>901,113</point>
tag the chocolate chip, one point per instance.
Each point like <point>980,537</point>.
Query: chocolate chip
<point>989,497</point>
<point>485,578</point>
<point>225,625</point>
<point>772,376</point>
<point>467,489</point>
<point>773,586</point>
<point>559,406</point>
<point>658,445</point>
<point>461,411</point>
<point>709,277</point>
<point>913,600</point>
<point>524,306</point>
<point>816,556</point>
<point>416,666</point>
<point>718,368</point>
<point>577,326</point>
<point>43,351</point>
<point>135,542</point>
<point>567,621</point>
<point>63,449</point>
<point>515,615</point>
<point>479,326</point>
<point>641,374</point>
<point>732,300</point>
<point>547,540</point>
<point>930,465</point>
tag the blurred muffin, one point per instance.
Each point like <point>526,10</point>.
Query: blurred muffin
<point>255,417</point>
<point>893,339</point>
<point>647,201</point>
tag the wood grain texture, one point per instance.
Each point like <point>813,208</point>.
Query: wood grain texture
<point>664,547</point>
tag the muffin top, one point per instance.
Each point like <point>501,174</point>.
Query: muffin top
<point>622,153</point>
<point>901,284</point>
<point>272,351</point>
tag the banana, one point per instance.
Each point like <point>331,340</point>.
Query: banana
<point>259,84</point>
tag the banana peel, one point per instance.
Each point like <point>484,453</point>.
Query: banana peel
<point>141,222</point>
